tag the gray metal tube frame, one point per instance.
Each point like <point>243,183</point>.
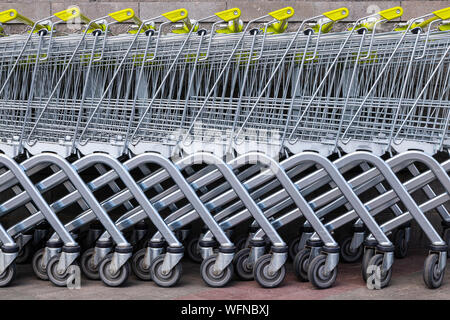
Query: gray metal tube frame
<point>135,191</point>
<point>87,195</point>
<point>242,192</point>
<point>189,193</point>
<point>403,194</point>
<point>37,198</point>
<point>344,187</point>
<point>360,184</point>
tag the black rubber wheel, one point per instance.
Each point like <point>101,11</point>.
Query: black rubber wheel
<point>316,275</point>
<point>8,275</point>
<point>165,280</point>
<point>301,264</point>
<point>432,276</point>
<point>241,268</point>
<point>376,262</point>
<point>193,251</point>
<point>24,254</point>
<point>39,270</point>
<point>87,265</point>
<point>368,254</point>
<point>262,276</point>
<point>293,248</point>
<point>446,238</point>
<point>348,254</point>
<point>240,243</point>
<point>58,279</point>
<point>400,243</point>
<point>137,265</point>
<point>215,280</point>
<point>113,280</point>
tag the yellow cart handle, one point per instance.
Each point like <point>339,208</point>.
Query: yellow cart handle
<point>74,13</point>
<point>282,15</point>
<point>383,16</point>
<point>12,14</point>
<point>442,14</point>
<point>232,18</point>
<point>180,15</point>
<point>127,15</point>
<point>326,24</point>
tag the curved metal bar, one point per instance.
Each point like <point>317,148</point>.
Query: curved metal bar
<point>361,183</point>
<point>59,177</point>
<point>87,195</point>
<point>240,190</point>
<point>135,191</point>
<point>103,180</point>
<point>37,198</point>
<point>339,180</point>
<point>184,186</point>
<point>403,194</point>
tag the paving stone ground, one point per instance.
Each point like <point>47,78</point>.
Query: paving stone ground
<point>406,283</point>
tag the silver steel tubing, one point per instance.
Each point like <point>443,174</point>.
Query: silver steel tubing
<point>84,191</point>
<point>307,210</point>
<point>37,198</point>
<point>188,191</point>
<point>415,213</point>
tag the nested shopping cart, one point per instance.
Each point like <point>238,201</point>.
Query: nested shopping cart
<point>156,105</point>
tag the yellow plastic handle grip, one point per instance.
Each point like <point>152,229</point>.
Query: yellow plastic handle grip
<point>282,14</point>
<point>122,15</point>
<point>443,14</point>
<point>176,15</point>
<point>68,14</point>
<point>337,14</point>
<point>230,14</point>
<point>392,13</point>
<point>12,14</point>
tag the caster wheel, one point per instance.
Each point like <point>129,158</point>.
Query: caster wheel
<point>241,268</point>
<point>137,265</point>
<point>165,280</point>
<point>193,251</point>
<point>113,279</point>
<point>400,243</point>
<point>90,270</point>
<point>262,275</point>
<point>209,276</point>
<point>24,254</point>
<point>8,275</point>
<point>240,243</point>
<point>293,248</point>
<point>316,273</point>
<point>446,238</point>
<point>386,275</point>
<point>57,278</point>
<point>432,276</point>
<point>301,264</point>
<point>84,243</point>
<point>39,270</point>
<point>348,254</point>
<point>368,254</point>
<point>142,243</point>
